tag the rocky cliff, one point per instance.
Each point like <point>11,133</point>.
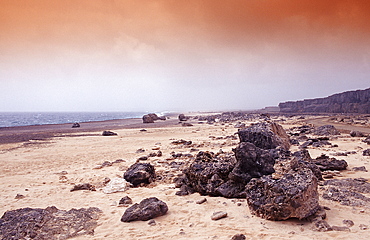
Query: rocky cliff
<point>346,102</point>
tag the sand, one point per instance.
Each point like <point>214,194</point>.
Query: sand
<point>45,170</point>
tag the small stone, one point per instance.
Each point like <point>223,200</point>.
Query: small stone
<point>19,196</point>
<point>218,215</point>
<point>348,223</point>
<point>201,201</point>
<point>363,227</point>
<point>83,186</point>
<point>322,226</point>
<point>238,237</point>
<point>109,133</point>
<point>152,222</point>
<point>125,201</point>
<point>338,228</point>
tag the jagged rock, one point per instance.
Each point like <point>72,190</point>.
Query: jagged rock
<point>148,208</point>
<point>50,223</point>
<point>251,162</point>
<point>326,163</point>
<point>265,135</point>
<point>346,102</point>
<point>359,169</point>
<point>83,186</point>
<point>294,195</point>
<point>116,185</point>
<point>367,140</point>
<point>181,142</point>
<point>125,201</point>
<point>366,152</point>
<point>304,159</point>
<point>76,125</point>
<point>109,133</point>
<point>140,173</point>
<point>326,130</point>
<point>356,134</point>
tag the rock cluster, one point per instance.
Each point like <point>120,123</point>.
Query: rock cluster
<point>50,223</point>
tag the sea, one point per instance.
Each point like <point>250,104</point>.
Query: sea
<point>12,119</point>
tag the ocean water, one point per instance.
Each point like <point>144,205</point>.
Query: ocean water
<point>12,119</point>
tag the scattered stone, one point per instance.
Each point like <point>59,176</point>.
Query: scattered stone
<point>356,134</point>
<point>116,185</point>
<point>218,215</point>
<point>348,223</point>
<point>19,196</point>
<point>294,195</point>
<point>366,152</point>
<point>143,158</point>
<point>83,186</point>
<point>367,140</point>
<point>50,223</point>
<point>109,133</point>
<point>140,173</point>
<point>238,237</point>
<point>359,169</point>
<point>186,124</point>
<point>104,164</point>
<point>363,227</point>
<point>182,117</point>
<point>326,130</point>
<point>125,201</point>
<point>152,222</point>
<point>322,226</point>
<point>181,142</point>
<point>203,200</point>
<point>326,163</point>
<point>140,150</point>
<point>340,228</point>
<point>147,209</point>
<point>76,125</point>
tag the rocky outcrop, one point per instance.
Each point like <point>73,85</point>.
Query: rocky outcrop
<point>346,102</point>
<point>50,223</point>
<point>265,135</point>
<point>140,173</point>
<point>292,196</point>
<point>148,208</point>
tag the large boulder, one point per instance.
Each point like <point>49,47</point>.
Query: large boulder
<point>292,196</point>
<point>148,119</point>
<point>140,173</point>
<point>265,135</point>
<point>148,208</point>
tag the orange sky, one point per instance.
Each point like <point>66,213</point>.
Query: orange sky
<point>170,44</point>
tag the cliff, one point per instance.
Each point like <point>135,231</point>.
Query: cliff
<point>346,102</point>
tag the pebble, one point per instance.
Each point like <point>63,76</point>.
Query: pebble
<point>363,227</point>
<point>348,223</point>
<point>201,201</point>
<point>218,215</point>
<point>152,222</point>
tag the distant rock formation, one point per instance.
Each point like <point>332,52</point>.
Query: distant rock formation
<point>346,102</point>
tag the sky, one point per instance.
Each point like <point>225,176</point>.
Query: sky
<point>171,55</point>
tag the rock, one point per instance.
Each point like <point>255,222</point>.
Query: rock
<point>83,186</point>
<point>326,163</point>
<point>367,140</point>
<point>322,226</point>
<point>148,119</point>
<point>19,196</point>
<point>140,173</point>
<point>182,117</point>
<point>356,134</point>
<point>363,227</point>
<point>346,102</point>
<point>326,130</point>
<point>125,201</point>
<point>218,215</point>
<point>303,158</point>
<point>76,125</point>
<point>147,209</point>
<point>358,184</point>
<point>238,237</point>
<point>294,195</point>
<point>203,200</point>
<point>109,133</point>
<point>265,135</point>
<point>143,130</point>
<point>116,185</point>
<point>152,222</point>
<point>181,142</point>
<point>348,223</point>
<point>50,223</point>
<point>358,169</point>
<point>366,152</point>
<point>187,124</point>
<point>252,162</point>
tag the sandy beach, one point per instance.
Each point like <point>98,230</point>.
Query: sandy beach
<point>41,164</point>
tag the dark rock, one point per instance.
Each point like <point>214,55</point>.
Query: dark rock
<point>265,135</point>
<point>358,184</point>
<point>83,186</point>
<point>140,173</point>
<point>147,209</point>
<point>50,223</point>
<point>109,133</point>
<point>182,117</point>
<point>148,119</point>
<point>326,163</point>
<point>181,142</point>
<point>143,130</point>
<point>251,162</point>
<point>346,197</point>
<point>203,200</point>
<point>152,222</point>
<point>19,196</point>
<point>304,159</point>
<point>348,223</point>
<point>143,158</point>
<point>367,140</point>
<point>358,169</point>
<point>76,125</point>
<point>125,201</point>
<point>356,134</point>
<point>366,152</point>
<point>238,237</point>
<point>326,130</point>
<point>346,102</point>
<point>322,226</point>
<point>292,196</point>
<point>187,125</point>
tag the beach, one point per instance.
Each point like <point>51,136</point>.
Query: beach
<point>39,165</point>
